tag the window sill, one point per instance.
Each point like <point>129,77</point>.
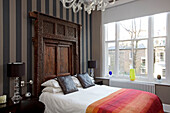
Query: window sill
<point>140,80</point>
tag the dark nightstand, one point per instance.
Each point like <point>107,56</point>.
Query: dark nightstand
<point>105,80</point>
<point>27,105</point>
<point>99,82</point>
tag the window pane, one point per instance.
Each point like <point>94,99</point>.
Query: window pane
<point>134,28</point>
<point>125,57</point>
<point>140,27</point>
<point>140,62</point>
<point>140,57</point>
<point>159,57</point>
<point>125,45</point>
<point>110,32</point>
<point>125,25</point>
<point>140,44</point>
<point>160,24</point>
<point>125,62</point>
<point>136,58</point>
<point>110,58</point>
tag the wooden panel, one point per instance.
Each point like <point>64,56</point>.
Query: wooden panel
<point>48,27</point>
<point>50,59</point>
<point>63,60</point>
<point>72,32</point>
<point>60,29</point>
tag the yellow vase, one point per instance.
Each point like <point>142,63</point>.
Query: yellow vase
<point>132,74</point>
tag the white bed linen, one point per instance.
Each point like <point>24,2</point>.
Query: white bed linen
<point>75,102</point>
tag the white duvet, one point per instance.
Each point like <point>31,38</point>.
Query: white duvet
<point>75,102</point>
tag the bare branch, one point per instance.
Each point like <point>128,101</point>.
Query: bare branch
<point>126,29</point>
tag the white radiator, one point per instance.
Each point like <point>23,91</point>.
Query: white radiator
<point>144,86</point>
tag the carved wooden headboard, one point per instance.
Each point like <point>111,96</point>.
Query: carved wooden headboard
<point>56,48</point>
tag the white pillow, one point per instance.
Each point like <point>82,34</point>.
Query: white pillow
<point>51,83</point>
<point>52,89</point>
<point>76,81</point>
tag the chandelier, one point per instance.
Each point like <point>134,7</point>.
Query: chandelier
<point>89,5</point>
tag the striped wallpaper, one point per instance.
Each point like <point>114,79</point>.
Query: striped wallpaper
<point>16,32</point>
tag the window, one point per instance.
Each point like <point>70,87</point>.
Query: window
<point>132,40</point>
<point>127,42</point>
<point>110,48</point>
<point>143,65</point>
<point>143,62</point>
<point>162,56</point>
<point>159,43</point>
<point>130,55</point>
<point>163,72</point>
<point>143,71</point>
<point>160,24</point>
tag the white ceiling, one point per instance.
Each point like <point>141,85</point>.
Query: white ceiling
<point>119,2</point>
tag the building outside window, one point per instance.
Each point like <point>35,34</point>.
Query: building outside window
<point>143,70</point>
<point>143,62</point>
<point>163,72</point>
<point>161,56</point>
<point>127,42</point>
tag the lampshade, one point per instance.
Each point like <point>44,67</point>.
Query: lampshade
<point>16,69</point>
<point>91,64</point>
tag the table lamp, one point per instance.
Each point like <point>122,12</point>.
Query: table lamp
<point>16,70</point>
<point>92,65</point>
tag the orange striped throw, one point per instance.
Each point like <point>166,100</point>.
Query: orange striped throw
<point>127,101</point>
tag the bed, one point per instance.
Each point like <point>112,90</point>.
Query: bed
<point>80,101</point>
<point>56,53</point>
<point>76,102</point>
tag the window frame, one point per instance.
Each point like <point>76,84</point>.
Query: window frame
<point>150,47</point>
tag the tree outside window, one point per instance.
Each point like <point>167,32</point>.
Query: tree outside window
<point>133,40</point>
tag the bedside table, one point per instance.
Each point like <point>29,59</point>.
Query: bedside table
<point>26,105</point>
<point>99,82</point>
<point>105,80</point>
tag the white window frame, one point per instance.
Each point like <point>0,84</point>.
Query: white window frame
<point>150,76</point>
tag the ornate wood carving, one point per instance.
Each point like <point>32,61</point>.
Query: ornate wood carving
<point>60,29</point>
<point>48,27</point>
<point>56,48</point>
<point>72,32</point>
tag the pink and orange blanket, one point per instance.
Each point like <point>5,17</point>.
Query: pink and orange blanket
<point>127,101</point>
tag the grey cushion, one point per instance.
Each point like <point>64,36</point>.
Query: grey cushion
<point>67,84</point>
<point>85,80</point>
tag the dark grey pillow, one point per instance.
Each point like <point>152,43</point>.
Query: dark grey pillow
<point>85,80</point>
<point>67,85</point>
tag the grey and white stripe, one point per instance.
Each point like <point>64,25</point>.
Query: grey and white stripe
<point>16,32</point>
<point>24,39</point>
<point>12,34</point>
<point>1,47</point>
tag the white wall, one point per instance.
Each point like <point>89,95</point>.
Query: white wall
<point>134,9</point>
